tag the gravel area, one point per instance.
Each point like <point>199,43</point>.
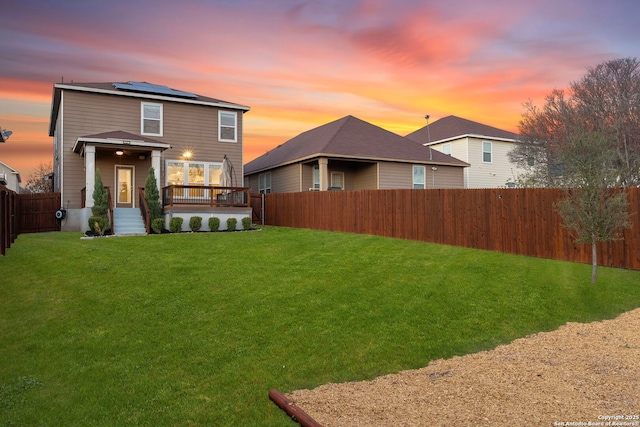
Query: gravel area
<point>579,374</point>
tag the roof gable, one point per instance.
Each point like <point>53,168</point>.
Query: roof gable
<point>452,127</point>
<point>352,138</point>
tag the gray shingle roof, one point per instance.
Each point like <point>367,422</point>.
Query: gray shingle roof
<point>451,127</point>
<point>349,137</point>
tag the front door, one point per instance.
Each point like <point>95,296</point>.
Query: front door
<point>124,186</point>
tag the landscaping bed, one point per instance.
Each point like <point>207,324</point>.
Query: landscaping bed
<point>575,375</point>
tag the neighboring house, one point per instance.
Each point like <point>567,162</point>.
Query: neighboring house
<point>484,147</point>
<point>124,129</point>
<point>351,154</point>
<point>9,177</point>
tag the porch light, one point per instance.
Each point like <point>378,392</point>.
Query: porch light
<point>119,152</point>
<point>187,154</point>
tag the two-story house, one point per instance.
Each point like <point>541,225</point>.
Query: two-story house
<point>123,129</point>
<point>483,147</point>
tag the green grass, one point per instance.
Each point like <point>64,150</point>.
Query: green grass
<point>194,329</point>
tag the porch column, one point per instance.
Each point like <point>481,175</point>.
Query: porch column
<point>324,173</point>
<point>90,173</point>
<point>155,164</point>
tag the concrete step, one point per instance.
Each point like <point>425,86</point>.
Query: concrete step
<point>128,221</point>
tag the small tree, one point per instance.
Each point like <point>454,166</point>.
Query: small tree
<point>100,198</point>
<point>595,208</point>
<point>152,196</point>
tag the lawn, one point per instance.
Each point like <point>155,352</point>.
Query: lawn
<point>194,329</point>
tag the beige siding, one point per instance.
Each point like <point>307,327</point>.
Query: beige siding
<point>481,174</point>
<point>445,177</point>
<point>400,175</point>
<point>185,126</point>
<point>285,179</point>
<point>366,177</point>
<point>490,175</point>
<point>395,175</point>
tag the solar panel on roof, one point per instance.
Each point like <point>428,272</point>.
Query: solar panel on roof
<point>155,89</point>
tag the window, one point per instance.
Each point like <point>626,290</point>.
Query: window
<point>337,180</point>
<point>264,183</point>
<point>446,148</point>
<point>215,171</point>
<point>486,152</point>
<point>191,173</point>
<point>227,126</point>
<point>418,178</point>
<point>151,119</point>
<point>316,178</point>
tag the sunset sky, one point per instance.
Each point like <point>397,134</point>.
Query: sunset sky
<point>299,64</point>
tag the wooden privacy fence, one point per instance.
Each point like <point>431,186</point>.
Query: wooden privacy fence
<point>513,220</point>
<point>8,215</point>
<point>37,212</point>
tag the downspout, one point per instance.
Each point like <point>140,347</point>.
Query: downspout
<point>61,147</point>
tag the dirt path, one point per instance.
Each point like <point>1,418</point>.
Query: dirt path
<point>576,375</point>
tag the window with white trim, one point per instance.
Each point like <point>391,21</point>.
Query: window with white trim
<point>316,178</point>
<point>151,119</point>
<point>486,152</point>
<point>193,173</point>
<point>446,148</point>
<point>227,126</point>
<point>337,180</point>
<point>264,183</point>
<point>419,178</point>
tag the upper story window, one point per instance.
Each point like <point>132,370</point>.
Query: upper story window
<point>227,126</point>
<point>486,152</point>
<point>446,148</point>
<point>419,177</point>
<point>151,123</point>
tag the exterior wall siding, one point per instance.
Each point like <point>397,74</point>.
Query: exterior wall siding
<point>395,175</point>
<point>480,174</point>
<point>366,178</point>
<point>185,126</point>
<point>285,179</point>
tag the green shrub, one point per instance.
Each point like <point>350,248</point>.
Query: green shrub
<point>246,223</point>
<point>99,225</point>
<point>157,225</point>
<point>100,197</point>
<point>231,224</point>
<point>214,224</point>
<point>152,196</point>
<point>175,226</point>
<point>195,223</point>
